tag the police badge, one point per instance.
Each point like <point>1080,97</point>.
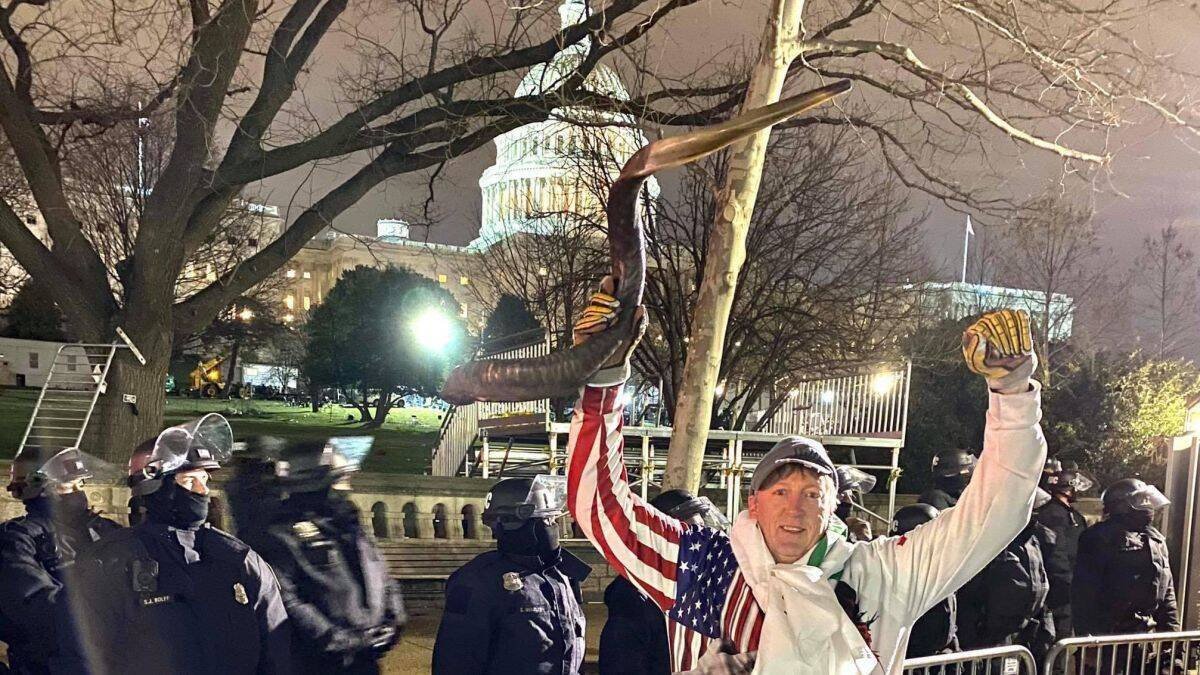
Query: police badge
<point>239,594</point>
<point>512,581</point>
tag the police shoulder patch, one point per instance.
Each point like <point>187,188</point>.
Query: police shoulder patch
<point>305,529</point>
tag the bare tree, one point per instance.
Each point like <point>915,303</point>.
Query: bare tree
<point>1053,249</point>
<point>1166,278</point>
<point>233,80</point>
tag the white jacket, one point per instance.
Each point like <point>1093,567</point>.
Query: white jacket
<point>804,629</point>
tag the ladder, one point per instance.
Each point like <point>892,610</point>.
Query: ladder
<point>77,377</point>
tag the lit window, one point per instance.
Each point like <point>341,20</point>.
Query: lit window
<point>307,275</point>
<point>307,303</point>
<point>463,281</point>
<point>290,302</point>
<point>441,278</point>
<point>291,274</point>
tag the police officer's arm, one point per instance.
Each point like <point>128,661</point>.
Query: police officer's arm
<point>306,619</point>
<point>464,638</point>
<point>28,593</point>
<point>972,608</point>
<point>1166,615</point>
<point>1057,558</point>
<point>1087,587</point>
<point>274,629</point>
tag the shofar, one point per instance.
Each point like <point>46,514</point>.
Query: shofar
<point>561,374</point>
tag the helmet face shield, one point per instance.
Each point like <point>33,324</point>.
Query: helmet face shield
<point>701,511</point>
<point>203,443</point>
<point>1040,498</point>
<point>855,479</point>
<point>347,453</point>
<point>63,468</point>
<point>1148,499</point>
<point>547,497</point>
<point>1069,480</point>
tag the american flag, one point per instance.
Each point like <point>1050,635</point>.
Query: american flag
<point>690,572</point>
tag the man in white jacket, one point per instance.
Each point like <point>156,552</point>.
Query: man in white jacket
<point>772,586</point>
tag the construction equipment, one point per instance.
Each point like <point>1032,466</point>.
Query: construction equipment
<point>207,380</point>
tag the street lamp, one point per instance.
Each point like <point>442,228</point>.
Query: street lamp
<point>433,330</point>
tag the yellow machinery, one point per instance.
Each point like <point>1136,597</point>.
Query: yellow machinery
<point>207,380</point>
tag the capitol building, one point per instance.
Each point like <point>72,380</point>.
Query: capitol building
<point>545,174</point>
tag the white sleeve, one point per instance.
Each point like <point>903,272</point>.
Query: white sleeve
<point>910,574</point>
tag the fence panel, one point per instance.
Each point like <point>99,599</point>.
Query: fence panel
<point>1014,660</point>
<point>1136,654</point>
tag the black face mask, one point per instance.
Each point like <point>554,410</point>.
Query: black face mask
<point>69,509</point>
<point>175,506</point>
<point>954,485</point>
<point>536,537</point>
<point>1135,520</point>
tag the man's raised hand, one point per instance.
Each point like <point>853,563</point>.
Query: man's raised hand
<point>603,312</point>
<point>999,346</point>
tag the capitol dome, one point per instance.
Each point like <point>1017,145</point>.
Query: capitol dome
<point>547,170</point>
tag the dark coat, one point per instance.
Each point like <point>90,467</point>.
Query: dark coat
<point>147,611</point>
<point>936,632</point>
<point>1122,581</point>
<point>1067,524</point>
<point>536,628</point>
<point>36,557</point>
<point>336,588</point>
<point>1006,602</point>
<point>634,639</point>
<point>937,498</point>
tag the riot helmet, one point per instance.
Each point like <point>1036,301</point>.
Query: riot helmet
<point>1068,482</point>
<point>952,463</point>
<point>203,443</point>
<point>1040,498</point>
<point>854,479</point>
<point>319,466</point>
<point>1132,494</point>
<point>909,517</point>
<point>683,505</point>
<point>33,473</point>
<point>513,501</point>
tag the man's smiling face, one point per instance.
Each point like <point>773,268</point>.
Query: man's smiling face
<point>793,509</point>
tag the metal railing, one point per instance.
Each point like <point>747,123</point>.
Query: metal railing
<point>1012,660</point>
<point>1134,654</point>
<point>871,404</point>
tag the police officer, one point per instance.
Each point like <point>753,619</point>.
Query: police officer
<point>1005,603</point>
<point>634,640</point>
<point>1067,523</point>
<point>173,594</point>
<point>38,550</point>
<point>853,483</point>
<point>516,609</point>
<point>1122,580</point>
<point>952,471</point>
<point>346,611</point>
<point>936,631</point>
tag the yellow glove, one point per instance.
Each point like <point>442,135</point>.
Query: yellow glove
<point>999,346</point>
<point>602,313</point>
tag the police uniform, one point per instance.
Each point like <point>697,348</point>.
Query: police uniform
<point>36,554</point>
<point>634,639</point>
<point>1006,602</point>
<point>1067,524</point>
<point>936,632</point>
<point>1122,581</point>
<point>336,588</point>
<point>508,614</point>
<point>937,498</point>
<point>150,610</point>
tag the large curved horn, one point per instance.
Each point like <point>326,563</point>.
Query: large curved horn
<point>561,374</point>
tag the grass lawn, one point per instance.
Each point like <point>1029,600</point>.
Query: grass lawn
<point>402,444</point>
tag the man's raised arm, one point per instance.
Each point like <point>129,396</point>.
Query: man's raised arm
<point>639,541</point>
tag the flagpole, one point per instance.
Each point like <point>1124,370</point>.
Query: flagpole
<point>966,247</point>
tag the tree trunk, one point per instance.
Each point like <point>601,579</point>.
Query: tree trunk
<point>726,253</point>
<point>382,406</point>
<point>117,427</point>
<point>231,381</point>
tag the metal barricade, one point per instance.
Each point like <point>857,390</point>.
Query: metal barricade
<point>1135,654</point>
<point>1012,660</point>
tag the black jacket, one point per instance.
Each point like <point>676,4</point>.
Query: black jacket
<point>1006,602</point>
<point>1122,581</point>
<point>535,626</point>
<point>147,611</point>
<point>936,632</point>
<point>1067,524</point>
<point>36,558</point>
<point>937,498</point>
<point>634,639</point>
<point>335,586</point>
